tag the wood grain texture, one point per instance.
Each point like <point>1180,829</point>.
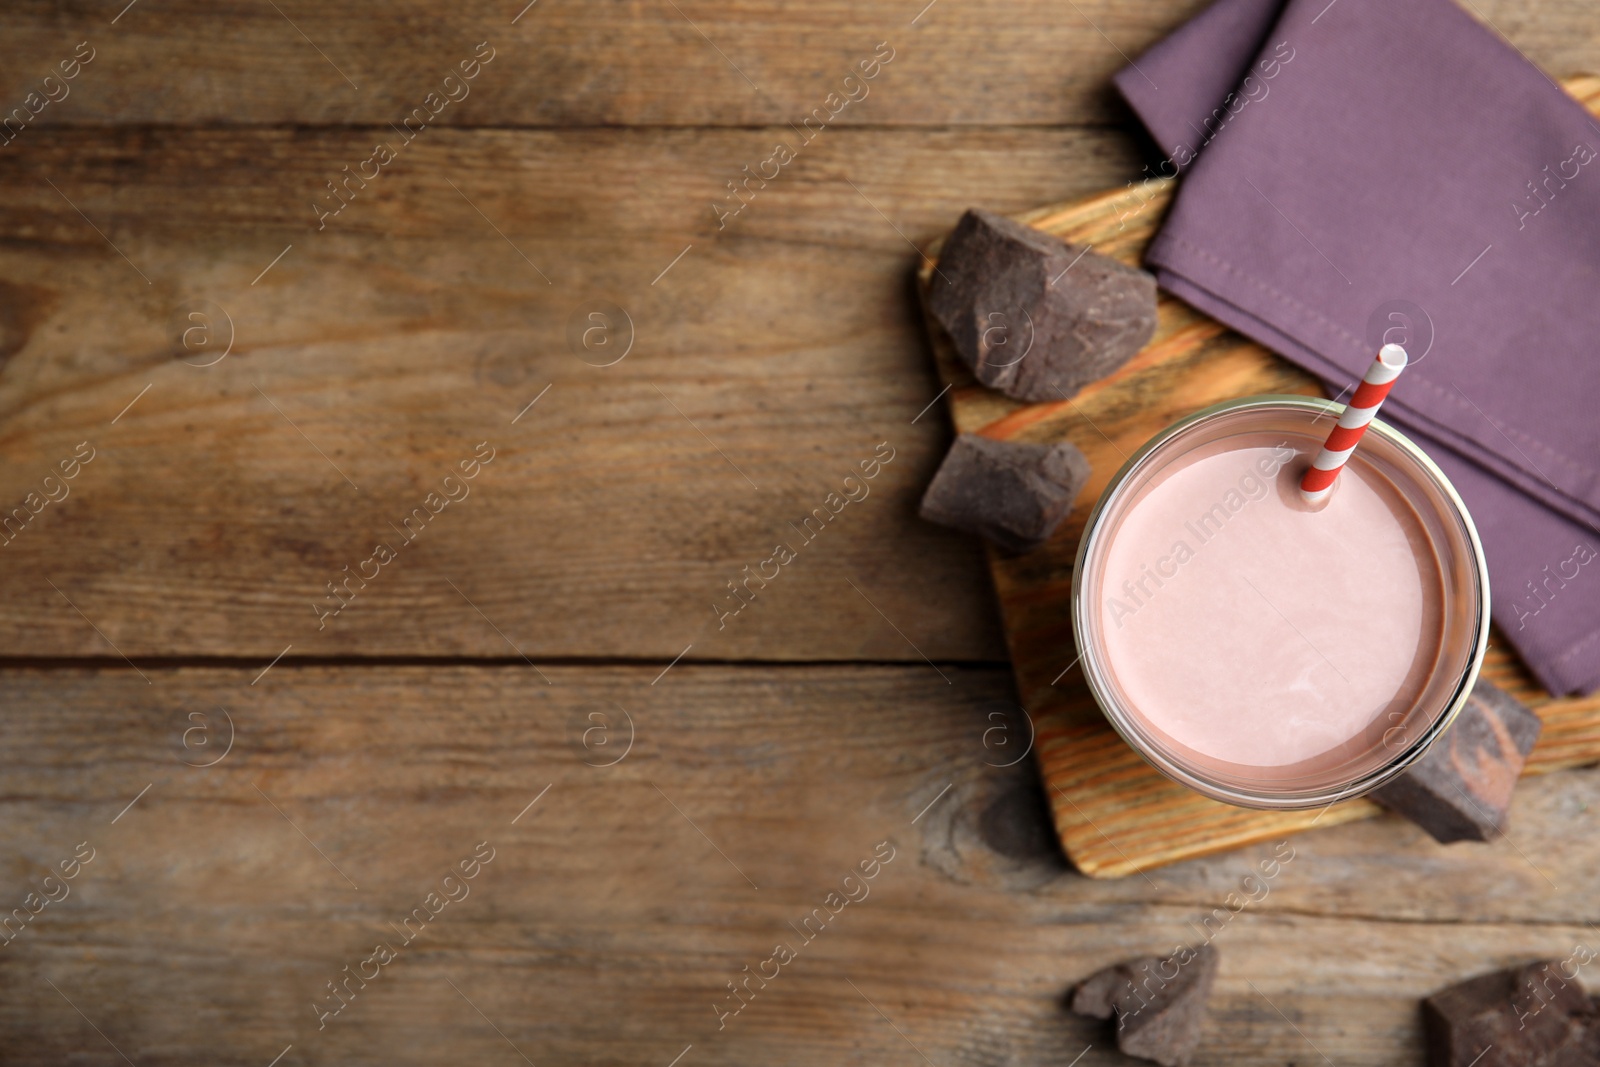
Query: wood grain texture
<point>408,330</point>
<point>623,62</point>
<point>1117,815</point>
<point>607,926</point>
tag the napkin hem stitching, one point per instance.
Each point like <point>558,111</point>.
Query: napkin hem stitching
<point>1572,466</point>
<point>1593,636</point>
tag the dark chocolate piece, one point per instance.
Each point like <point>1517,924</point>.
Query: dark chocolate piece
<point>1533,1016</point>
<point>1158,1003</point>
<point>1013,494</point>
<point>1033,316</point>
<point>1461,789</point>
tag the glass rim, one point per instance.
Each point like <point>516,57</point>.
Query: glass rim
<point>1096,673</point>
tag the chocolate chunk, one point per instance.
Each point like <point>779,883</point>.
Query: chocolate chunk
<point>1159,1003</point>
<point>1033,316</point>
<point>1013,494</point>
<point>1533,1016</point>
<point>1461,789</point>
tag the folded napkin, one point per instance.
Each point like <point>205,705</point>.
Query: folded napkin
<point>1364,171</point>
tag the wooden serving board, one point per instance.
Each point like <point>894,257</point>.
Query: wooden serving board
<point>1115,813</point>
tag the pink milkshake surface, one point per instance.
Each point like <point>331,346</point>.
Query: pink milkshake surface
<point>1259,636</point>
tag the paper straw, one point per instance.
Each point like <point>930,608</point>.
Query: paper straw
<point>1375,385</point>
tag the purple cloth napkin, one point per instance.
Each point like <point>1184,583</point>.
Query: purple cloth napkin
<point>1367,170</point>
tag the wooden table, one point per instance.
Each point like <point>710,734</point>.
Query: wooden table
<point>536,666</point>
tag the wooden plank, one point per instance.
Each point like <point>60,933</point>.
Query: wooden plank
<point>561,64</point>
<point>1116,814</point>
<point>409,330</point>
<point>564,64</point>
<point>606,927</point>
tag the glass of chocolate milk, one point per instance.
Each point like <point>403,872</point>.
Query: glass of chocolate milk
<point>1264,651</point>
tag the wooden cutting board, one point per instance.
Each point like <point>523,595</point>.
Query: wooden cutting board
<point>1116,814</point>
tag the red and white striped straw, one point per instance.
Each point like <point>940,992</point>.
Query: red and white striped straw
<point>1375,385</point>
